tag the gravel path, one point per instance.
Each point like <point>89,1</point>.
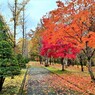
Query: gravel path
<point>42,82</point>
<point>37,84</point>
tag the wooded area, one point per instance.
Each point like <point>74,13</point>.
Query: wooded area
<point>65,35</point>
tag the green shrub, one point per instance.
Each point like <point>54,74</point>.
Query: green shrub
<point>22,60</point>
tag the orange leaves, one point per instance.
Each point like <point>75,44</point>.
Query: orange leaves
<point>79,81</point>
<point>91,39</point>
<point>72,23</point>
<point>82,18</point>
<point>60,3</point>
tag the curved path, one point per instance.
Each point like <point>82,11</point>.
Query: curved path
<point>40,81</point>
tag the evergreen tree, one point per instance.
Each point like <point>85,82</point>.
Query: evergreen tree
<point>8,63</point>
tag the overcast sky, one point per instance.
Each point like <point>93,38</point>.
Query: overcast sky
<point>35,9</point>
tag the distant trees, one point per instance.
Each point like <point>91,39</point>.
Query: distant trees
<point>16,10</point>
<point>35,42</point>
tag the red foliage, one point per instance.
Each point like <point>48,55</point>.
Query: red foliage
<point>58,50</point>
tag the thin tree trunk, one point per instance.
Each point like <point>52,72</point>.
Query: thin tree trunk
<point>81,63</point>
<point>62,63</point>
<point>90,70</point>
<point>46,62</point>
<point>23,33</point>
<point>15,24</point>
<point>82,69</point>
<point>40,58</point>
<point>1,83</point>
<point>50,61</point>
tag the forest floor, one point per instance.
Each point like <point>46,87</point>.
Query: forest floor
<point>52,81</point>
<point>75,76</point>
<point>12,86</point>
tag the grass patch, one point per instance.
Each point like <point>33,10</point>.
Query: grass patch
<point>12,86</point>
<point>57,71</point>
<point>69,71</point>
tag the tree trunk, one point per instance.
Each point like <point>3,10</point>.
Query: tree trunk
<point>15,24</point>
<point>1,83</point>
<point>90,71</point>
<point>82,69</point>
<point>40,58</point>
<point>81,63</point>
<point>23,33</point>
<point>50,61</point>
<point>46,62</point>
<point>62,63</point>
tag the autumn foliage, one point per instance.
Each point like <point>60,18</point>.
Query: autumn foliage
<point>69,30</point>
<point>59,50</point>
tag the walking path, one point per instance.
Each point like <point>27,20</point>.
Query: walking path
<point>40,81</point>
